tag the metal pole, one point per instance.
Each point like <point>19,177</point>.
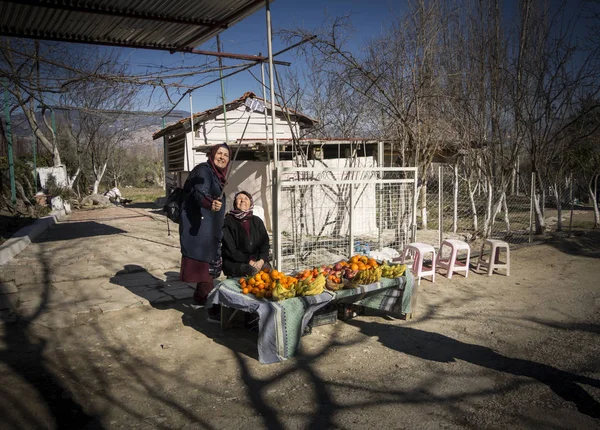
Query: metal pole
<point>350,222</point>
<point>531,207</point>
<point>34,150</point>
<point>11,165</point>
<point>190,167</point>
<point>518,175</point>
<point>264,91</point>
<point>440,204</point>
<point>380,194</point>
<point>165,157</point>
<point>414,213</point>
<point>572,203</point>
<point>222,89</point>
<point>277,188</point>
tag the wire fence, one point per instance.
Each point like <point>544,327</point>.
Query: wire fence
<point>454,207</point>
<point>335,213</point>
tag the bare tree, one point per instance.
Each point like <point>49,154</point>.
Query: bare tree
<point>33,84</point>
<point>97,111</point>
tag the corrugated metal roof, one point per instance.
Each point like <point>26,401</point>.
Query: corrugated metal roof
<point>175,25</point>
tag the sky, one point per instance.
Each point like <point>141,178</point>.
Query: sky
<point>249,37</point>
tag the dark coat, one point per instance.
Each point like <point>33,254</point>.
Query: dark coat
<point>200,229</point>
<point>238,248</point>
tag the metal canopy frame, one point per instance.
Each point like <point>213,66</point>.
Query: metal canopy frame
<point>174,26</point>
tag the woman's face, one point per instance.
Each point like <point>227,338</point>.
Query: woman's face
<point>242,202</point>
<point>221,157</point>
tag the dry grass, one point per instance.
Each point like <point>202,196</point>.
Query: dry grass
<point>142,195</point>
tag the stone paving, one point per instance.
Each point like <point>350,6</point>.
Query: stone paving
<point>93,261</point>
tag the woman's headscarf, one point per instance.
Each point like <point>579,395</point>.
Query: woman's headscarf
<point>238,213</point>
<point>221,173</point>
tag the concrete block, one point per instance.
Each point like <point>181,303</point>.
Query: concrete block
<point>22,238</point>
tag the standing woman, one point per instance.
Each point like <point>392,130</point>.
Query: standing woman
<point>245,239</point>
<point>200,229</point>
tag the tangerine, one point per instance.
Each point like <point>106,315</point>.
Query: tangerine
<point>245,290</point>
<point>354,266</point>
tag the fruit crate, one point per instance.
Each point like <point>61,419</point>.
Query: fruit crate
<point>327,315</point>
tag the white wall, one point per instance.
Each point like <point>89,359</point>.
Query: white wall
<point>59,173</point>
<point>213,131</point>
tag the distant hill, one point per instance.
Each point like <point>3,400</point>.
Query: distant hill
<point>142,126</point>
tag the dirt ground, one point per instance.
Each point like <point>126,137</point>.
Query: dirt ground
<point>482,352</point>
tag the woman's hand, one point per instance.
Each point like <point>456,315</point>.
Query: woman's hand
<point>216,205</point>
<point>258,265</point>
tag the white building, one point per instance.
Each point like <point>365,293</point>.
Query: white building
<point>252,166</point>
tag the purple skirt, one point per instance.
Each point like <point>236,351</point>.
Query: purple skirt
<point>194,271</point>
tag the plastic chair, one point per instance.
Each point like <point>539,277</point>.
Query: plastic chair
<point>493,261</point>
<point>419,250</point>
<point>450,263</point>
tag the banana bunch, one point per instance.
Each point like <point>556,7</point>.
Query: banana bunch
<point>282,293</point>
<point>393,271</point>
<point>369,276</point>
<point>315,287</point>
<point>302,286</point>
<point>333,286</point>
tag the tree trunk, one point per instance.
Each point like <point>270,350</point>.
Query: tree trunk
<point>539,217</point>
<point>592,188</point>
<point>473,205</point>
<point>72,179</point>
<point>98,177</point>
<point>495,212</point>
<point>505,208</point>
<point>423,195</point>
<point>558,201</point>
<point>488,212</point>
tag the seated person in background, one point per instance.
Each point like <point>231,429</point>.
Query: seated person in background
<point>245,240</point>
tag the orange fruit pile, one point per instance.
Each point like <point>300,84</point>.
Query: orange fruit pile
<point>262,284</point>
<point>361,262</point>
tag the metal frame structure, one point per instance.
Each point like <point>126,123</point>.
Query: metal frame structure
<point>174,26</point>
<point>369,177</point>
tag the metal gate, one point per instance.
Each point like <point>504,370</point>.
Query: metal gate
<point>325,215</point>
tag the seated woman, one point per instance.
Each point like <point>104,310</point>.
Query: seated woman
<point>245,241</point>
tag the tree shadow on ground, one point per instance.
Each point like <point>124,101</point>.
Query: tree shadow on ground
<point>11,224</point>
<point>161,296</point>
<point>24,354</point>
<point>140,205</point>
<point>443,349</point>
<point>586,244</point>
<point>77,230</point>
